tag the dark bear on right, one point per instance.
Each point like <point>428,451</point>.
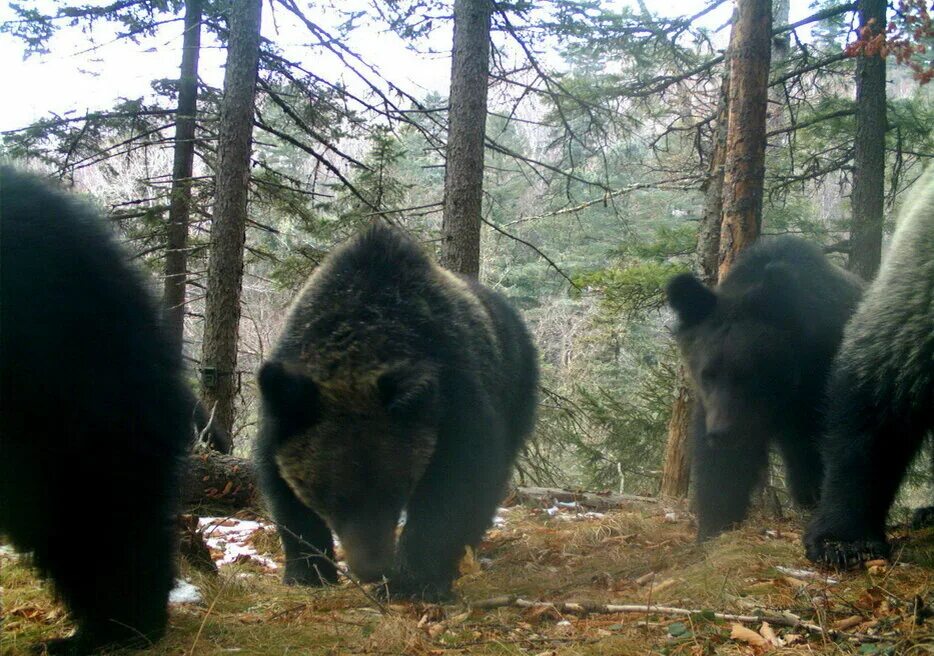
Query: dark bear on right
<point>880,395</point>
<point>758,348</point>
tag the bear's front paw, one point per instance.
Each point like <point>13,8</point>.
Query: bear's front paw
<point>843,555</point>
<point>86,642</point>
<point>844,548</point>
<point>72,646</point>
<point>431,591</point>
<point>312,575</point>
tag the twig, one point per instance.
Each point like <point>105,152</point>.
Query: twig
<point>535,248</point>
<point>593,607</point>
<point>346,572</point>
<point>203,435</point>
<point>605,198</point>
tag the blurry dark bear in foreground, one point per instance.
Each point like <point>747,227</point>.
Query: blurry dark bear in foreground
<point>94,418</point>
<point>395,385</point>
<point>880,396</point>
<point>759,348</point>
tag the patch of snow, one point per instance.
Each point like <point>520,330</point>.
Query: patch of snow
<point>574,517</point>
<point>804,574</point>
<point>184,592</point>
<point>671,516</point>
<point>498,520</point>
<point>7,550</point>
<point>563,512</point>
<point>231,537</point>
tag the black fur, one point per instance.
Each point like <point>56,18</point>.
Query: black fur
<point>394,385</point>
<point>880,395</point>
<point>94,418</point>
<point>758,348</point>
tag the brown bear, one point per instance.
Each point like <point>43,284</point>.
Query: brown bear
<point>394,386</point>
<point>758,348</point>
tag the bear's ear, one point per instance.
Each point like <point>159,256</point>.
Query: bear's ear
<point>691,299</point>
<point>290,395</point>
<point>408,392</point>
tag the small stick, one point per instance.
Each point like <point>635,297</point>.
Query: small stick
<point>207,427</point>
<point>346,572</point>
<point>592,607</point>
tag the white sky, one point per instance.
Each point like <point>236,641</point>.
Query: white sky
<point>71,79</point>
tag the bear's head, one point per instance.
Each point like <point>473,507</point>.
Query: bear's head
<point>353,451</point>
<point>739,344</point>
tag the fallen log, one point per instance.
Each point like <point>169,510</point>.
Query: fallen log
<point>547,496</point>
<point>216,483</point>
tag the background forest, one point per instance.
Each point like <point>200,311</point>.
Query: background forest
<point>603,164</point>
<point>574,155</point>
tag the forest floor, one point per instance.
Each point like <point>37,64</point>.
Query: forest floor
<point>643,555</point>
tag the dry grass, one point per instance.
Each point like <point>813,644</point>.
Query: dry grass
<point>601,560</point>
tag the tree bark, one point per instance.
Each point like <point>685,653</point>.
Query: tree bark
<point>216,482</point>
<point>707,262</point>
<point>228,230</point>
<point>176,259</point>
<point>463,178</point>
<point>781,44</point>
<point>676,470</point>
<point>869,148</point>
<point>744,170</point>
<point>547,496</point>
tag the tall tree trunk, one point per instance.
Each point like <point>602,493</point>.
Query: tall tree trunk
<point>676,470</point>
<point>869,149</point>
<point>707,262</point>
<point>744,170</point>
<point>781,44</point>
<point>775,120</point>
<point>176,259</point>
<point>228,230</point>
<point>463,177</point>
